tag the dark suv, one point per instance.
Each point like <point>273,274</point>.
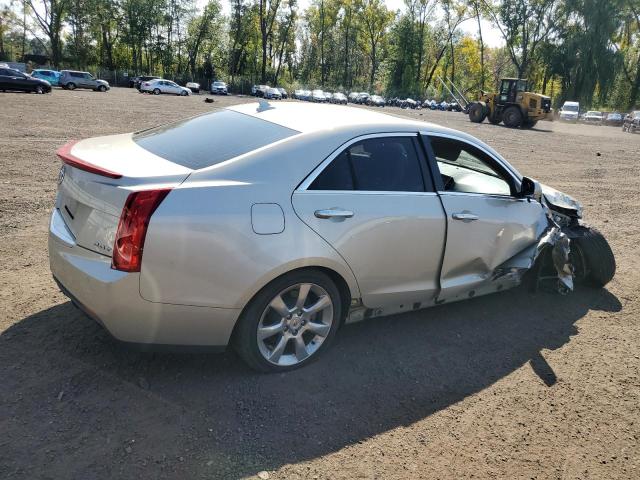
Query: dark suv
<point>632,122</point>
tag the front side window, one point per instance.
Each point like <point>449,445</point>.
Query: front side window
<point>466,169</point>
<point>386,164</point>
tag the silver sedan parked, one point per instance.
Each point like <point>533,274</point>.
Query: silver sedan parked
<point>197,234</point>
<point>160,85</point>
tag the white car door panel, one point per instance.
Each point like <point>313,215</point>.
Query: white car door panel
<point>369,201</point>
<point>393,242</point>
<point>487,223</point>
<point>483,232</point>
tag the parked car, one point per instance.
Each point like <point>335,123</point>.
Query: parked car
<point>164,86</point>
<point>351,98</point>
<point>13,80</point>
<point>149,237</point>
<point>273,94</point>
<point>614,119</point>
<point>362,98</point>
<point>51,76</point>
<point>631,122</point>
<point>338,98</point>
<point>261,90</point>
<point>220,88</point>
<point>593,117</point>
<point>570,111</point>
<point>283,92</point>
<point>318,96</point>
<point>71,79</point>
<point>193,86</point>
<point>376,101</point>
<point>305,95</point>
<point>135,82</point>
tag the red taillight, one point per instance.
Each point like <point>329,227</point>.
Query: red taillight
<point>132,229</point>
<point>67,157</point>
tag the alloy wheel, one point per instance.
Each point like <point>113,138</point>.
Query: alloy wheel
<point>294,324</point>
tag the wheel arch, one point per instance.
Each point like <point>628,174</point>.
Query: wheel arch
<point>348,291</point>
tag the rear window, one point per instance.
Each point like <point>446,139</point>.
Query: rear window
<point>209,139</point>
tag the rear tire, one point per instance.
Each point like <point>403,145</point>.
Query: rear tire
<point>596,263</point>
<point>477,113</point>
<point>512,117</point>
<point>156,91</point>
<point>71,86</point>
<point>255,352</point>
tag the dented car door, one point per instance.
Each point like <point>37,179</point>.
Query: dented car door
<point>487,223</point>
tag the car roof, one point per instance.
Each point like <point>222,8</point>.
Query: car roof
<point>312,117</point>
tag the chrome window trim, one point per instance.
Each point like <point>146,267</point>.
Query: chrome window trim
<point>487,195</point>
<point>365,192</point>
<point>510,169</point>
<point>304,186</point>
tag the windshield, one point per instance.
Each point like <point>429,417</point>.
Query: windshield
<point>594,114</point>
<point>570,108</point>
<point>209,139</point>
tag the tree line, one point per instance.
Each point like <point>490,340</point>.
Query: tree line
<point>585,50</point>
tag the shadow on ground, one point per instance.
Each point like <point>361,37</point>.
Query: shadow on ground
<point>74,404</point>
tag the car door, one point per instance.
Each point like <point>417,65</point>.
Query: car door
<point>487,223</point>
<point>374,202</point>
<point>5,78</point>
<point>89,81</point>
<point>172,88</point>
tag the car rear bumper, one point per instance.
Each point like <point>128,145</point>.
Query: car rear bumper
<point>113,299</point>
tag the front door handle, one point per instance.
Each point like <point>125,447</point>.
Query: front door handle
<point>469,217</point>
<point>333,213</point>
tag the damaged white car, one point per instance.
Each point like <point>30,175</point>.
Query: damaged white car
<point>195,234</point>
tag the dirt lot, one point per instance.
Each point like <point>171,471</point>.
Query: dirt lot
<point>512,385</point>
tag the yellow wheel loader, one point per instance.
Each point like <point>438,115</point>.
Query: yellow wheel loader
<point>514,105</point>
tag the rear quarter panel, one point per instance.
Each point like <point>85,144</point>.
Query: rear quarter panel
<point>201,248</point>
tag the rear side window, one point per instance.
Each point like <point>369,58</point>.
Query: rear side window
<point>385,164</point>
<point>209,139</point>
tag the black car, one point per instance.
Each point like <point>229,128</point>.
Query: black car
<point>14,80</point>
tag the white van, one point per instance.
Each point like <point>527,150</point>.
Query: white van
<point>570,111</point>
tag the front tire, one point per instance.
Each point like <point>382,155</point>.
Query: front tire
<point>593,257</point>
<point>71,86</point>
<point>102,88</point>
<point>477,113</point>
<point>290,322</point>
<point>512,117</point>
<point>39,90</point>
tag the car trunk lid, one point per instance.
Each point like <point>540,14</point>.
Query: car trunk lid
<point>96,178</point>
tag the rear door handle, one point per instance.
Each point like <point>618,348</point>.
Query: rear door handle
<point>333,213</point>
<point>469,217</point>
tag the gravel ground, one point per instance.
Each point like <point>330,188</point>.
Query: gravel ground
<point>512,385</point>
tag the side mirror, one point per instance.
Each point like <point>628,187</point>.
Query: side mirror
<point>530,188</point>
